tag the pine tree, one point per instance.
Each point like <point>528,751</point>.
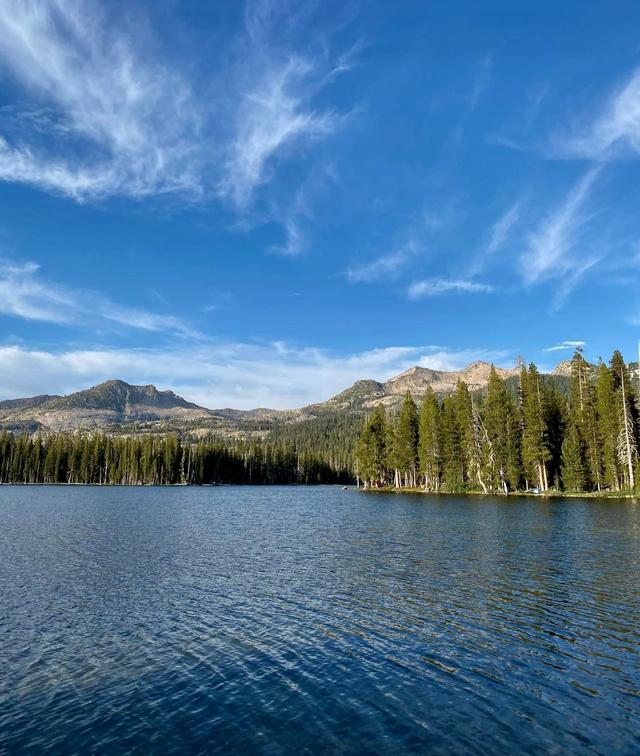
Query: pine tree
<point>608,426</point>
<point>502,426</point>
<point>392,447</point>
<point>429,444</point>
<point>371,455</point>
<point>573,463</point>
<point>407,441</point>
<point>582,412</point>
<point>473,438</point>
<point>451,445</point>
<point>535,449</point>
<point>627,440</point>
<point>555,415</point>
<point>618,369</point>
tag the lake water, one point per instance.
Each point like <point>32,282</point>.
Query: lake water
<point>312,620</point>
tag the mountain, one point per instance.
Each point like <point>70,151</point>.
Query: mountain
<point>562,368</point>
<point>361,394</point>
<point>417,379</point>
<point>120,407</point>
<point>122,398</point>
<point>13,405</point>
<point>364,395</point>
<point>111,403</point>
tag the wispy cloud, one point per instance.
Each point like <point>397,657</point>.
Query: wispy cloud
<point>564,345</point>
<point>238,375</point>
<point>381,268</point>
<point>411,244</point>
<point>278,81</point>
<point>25,294</point>
<point>551,248</point>
<point>295,240</point>
<point>109,100</point>
<point>107,111</point>
<point>502,228</point>
<point>273,116</point>
<point>482,80</point>
<point>295,214</point>
<point>437,286</point>
<point>614,131</point>
<point>498,235</point>
<point>571,278</point>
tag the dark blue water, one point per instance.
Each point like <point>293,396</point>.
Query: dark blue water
<point>307,620</point>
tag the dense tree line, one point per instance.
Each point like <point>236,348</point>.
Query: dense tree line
<point>157,460</point>
<point>540,438</point>
<point>330,438</point>
<point>577,434</point>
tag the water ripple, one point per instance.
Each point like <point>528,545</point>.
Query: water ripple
<point>306,620</point>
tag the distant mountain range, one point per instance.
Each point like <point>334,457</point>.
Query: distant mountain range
<point>117,406</point>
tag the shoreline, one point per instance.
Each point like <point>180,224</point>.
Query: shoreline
<point>510,494</point>
<point>176,485</point>
<point>616,495</point>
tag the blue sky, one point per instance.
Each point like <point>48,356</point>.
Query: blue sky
<point>258,203</point>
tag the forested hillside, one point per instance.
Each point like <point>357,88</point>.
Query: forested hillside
<point>119,408</point>
<point>158,460</point>
<point>573,430</point>
<point>532,436</point>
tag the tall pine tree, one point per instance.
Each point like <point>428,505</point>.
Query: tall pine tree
<point>503,429</point>
<point>371,452</point>
<point>429,451</point>
<point>573,459</point>
<point>406,441</point>
<point>452,451</point>
<point>535,447</point>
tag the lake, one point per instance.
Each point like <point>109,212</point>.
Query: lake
<point>313,620</point>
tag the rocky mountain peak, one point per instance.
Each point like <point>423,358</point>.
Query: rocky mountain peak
<point>119,396</point>
<point>117,403</point>
<point>563,368</point>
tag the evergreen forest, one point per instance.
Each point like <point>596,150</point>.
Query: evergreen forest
<point>534,438</point>
<point>158,460</point>
<point>533,432</point>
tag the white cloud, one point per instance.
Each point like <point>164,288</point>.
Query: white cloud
<point>615,130</point>
<point>107,112</point>
<point>25,294</point>
<point>294,237</point>
<point>126,122</point>
<point>570,279</point>
<point>242,376</point>
<point>22,294</point>
<point>274,85</point>
<point>498,235</point>
<point>436,286</point>
<point>296,214</point>
<point>273,115</point>
<point>380,269</point>
<point>563,345</point>
<point>411,245</point>
<point>502,228</point>
<point>550,249</point>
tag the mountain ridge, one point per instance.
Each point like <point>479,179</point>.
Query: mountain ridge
<point>116,405</point>
<point>119,395</point>
<point>108,404</point>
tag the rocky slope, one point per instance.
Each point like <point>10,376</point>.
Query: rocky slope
<point>118,406</point>
<point>111,403</point>
<point>15,405</point>
<point>416,380</point>
<point>562,368</point>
